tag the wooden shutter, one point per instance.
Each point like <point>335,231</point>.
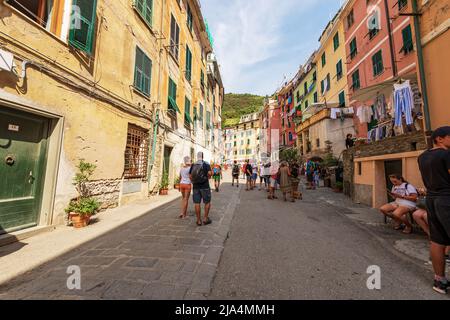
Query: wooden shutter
<point>83,37</point>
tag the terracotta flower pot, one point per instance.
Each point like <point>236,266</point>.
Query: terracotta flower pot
<point>163,192</point>
<point>79,221</point>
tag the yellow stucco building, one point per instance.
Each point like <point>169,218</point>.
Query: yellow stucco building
<point>130,86</point>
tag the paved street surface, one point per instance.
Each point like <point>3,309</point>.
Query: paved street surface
<point>312,249</point>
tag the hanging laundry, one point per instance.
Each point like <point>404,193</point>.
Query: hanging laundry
<point>404,103</point>
<point>364,114</point>
<point>349,110</point>
<point>380,107</point>
<point>334,113</point>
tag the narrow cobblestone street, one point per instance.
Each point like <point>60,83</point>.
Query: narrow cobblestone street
<point>313,249</point>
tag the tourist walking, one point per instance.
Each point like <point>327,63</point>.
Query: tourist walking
<point>295,179</point>
<point>248,174</point>
<point>434,166</point>
<point>274,170</point>
<point>310,168</point>
<point>285,183</point>
<point>235,174</point>
<point>254,175</point>
<point>217,176</point>
<point>200,173</point>
<point>185,186</point>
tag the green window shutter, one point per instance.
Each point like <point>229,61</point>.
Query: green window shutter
<point>355,79</point>
<point>316,97</point>
<point>145,9</point>
<point>190,19</point>
<point>408,45</point>
<point>336,41</point>
<point>188,64</point>
<point>339,69</point>
<point>306,87</point>
<point>353,48</point>
<point>342,99</point>
<point>322,86</point>
<point>173,96</point>
<point>187,111</point>
<point>83,38</point>
<point>142,72</point>
<point>324,60</point>
<point>377,63</point>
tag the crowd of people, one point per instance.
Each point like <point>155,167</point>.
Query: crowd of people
<point>430,209</point>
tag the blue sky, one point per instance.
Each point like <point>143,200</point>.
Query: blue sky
<point>258,42</point>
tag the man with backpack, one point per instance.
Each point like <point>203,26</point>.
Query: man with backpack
<point>217,175</point>
<point>235,173</point>
<point>200,174</point>
<point>310,168</point>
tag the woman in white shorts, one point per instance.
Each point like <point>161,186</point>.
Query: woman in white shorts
<point>405,196</point>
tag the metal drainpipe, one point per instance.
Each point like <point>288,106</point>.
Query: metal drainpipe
<point>158,104</point>
<point>423,82</point>
<point>391,40</point>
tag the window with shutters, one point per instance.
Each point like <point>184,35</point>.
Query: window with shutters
<point>328,82</point>
<point>142,72</point>
<point>145,10</point>
<point>82,38</point>
<point>336,41</point>
<point>339,72</point>
<point>355,80</point>
<point>377,63</point>
<point>190,18</point>
<point>136,153</point>
<point>172,103</point>
<point>202,80</point>
<point>408,45</point>
<point>342,99</point>
<point>350,19</point>
<point>187,113</point>
<point>353,48</point>
<point>174,38</point>
<point>188,64</point>
<point>306,87</point>
<point>316,97</point>
<point>324,60</point>
<point>402,4</point>
<point>201,115</point>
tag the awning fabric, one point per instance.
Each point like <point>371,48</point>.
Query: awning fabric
<point>173,104</point>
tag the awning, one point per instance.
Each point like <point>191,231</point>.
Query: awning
<point>173,104</point>
<point>385,88</point>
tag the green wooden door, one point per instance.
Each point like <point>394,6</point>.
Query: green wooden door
<point>23,144</point>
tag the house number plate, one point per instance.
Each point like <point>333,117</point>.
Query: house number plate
<point>13,127</point>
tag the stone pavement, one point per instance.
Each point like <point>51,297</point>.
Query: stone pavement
<point>415,246</point>
<point>156,256</point>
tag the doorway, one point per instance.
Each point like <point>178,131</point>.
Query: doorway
<point>166,164</point>
<point>23,159</point>
<point>392,167</point>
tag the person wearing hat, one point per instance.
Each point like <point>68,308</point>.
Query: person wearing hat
<point>434,166</point>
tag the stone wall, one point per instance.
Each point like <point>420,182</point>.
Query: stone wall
<point>106,191</point>
<point>363,194</point>
<point>405,143</point>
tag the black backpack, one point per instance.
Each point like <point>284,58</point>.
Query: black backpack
<point>294,171</point>
<point>199,174</point>
<point>236,169</point>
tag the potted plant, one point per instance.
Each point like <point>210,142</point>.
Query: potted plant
<point>338,187</point>
<point>84,206</point>
<point>164,185</point>
<point>177,183</point>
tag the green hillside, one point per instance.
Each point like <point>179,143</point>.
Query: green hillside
<point>237,105</point>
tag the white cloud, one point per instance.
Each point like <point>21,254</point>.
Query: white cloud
<point>248,33</point>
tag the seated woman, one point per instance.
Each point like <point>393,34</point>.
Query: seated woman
<point>405,196</point>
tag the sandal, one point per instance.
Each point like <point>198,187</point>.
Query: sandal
<point>405,231</point>
<point>208,221</point>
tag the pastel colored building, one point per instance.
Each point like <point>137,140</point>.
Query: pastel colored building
<point>286,105</point>
<point>381,54</point>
